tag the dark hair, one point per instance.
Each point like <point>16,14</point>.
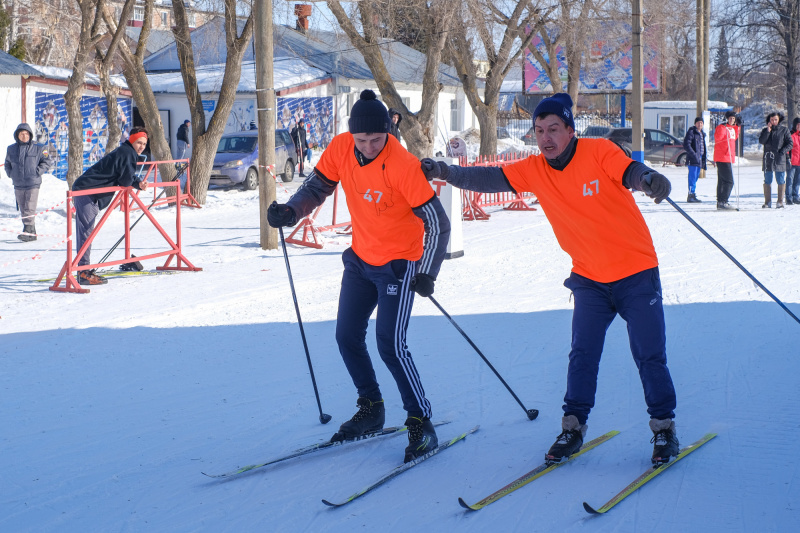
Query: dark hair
<point>795,122</point>
<point>138,130</point>
<point>698,119</point>
<point>775,114</point>
<point>729,114</point>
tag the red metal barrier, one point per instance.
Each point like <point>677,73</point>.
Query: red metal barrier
<point>127,199</point>
<point>311,236</point>
<point>152,171</point>
<point>474,202</point>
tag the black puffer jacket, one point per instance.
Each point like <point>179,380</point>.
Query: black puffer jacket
<point>695,145</point>
<point>117,169</point>
<point>26,162</point>
<point>394,129</point>
<point>777,143</point>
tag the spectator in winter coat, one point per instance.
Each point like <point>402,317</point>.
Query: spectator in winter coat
<point>725,138</point>
<point>394,127</point>
<point>400,234</point>
<point>695,145</point>
<point>777,143</point>
<point>793,173</point>
<point>116,169</point>
<point>582,186</point>
<point>25,163</point>
<point>184,145</point>
<point>300,143</point>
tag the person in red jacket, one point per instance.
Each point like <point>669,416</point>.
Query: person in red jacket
<point>725,138</point>
<point>793,175</point>
<point>400,234</point>
<point>583,188</point>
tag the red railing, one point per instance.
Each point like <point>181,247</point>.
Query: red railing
<point>473,203</point>
<point>152,172</point>
<point>128,201</point>
<point>311,233</point>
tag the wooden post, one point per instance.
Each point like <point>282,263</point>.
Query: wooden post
<point>265,102</point>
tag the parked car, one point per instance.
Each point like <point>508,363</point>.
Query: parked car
<point>236,161</point>
<point>595,131</point>
<point>658,145</point>
<point>530,137</point>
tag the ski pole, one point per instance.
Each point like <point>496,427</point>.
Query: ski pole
<point>323,418</point>
<point>140,216</point>
<point>735,262</point>
<point>532,413</point>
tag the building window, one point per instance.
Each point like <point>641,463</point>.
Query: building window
<point>138,13</point>
<point>164,21</point>
<point>190,16</point>
<point>454,116</point>
<point>406,102</point>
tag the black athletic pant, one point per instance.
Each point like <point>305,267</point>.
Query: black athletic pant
<point>724,182</point>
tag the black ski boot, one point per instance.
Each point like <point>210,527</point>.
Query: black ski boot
<point>568,442</point>
<point>665,442</point>
<point>369,418</point>
<point>692,199</point>
<point>421,437</point>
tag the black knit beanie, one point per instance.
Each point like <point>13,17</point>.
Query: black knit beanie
<point>368,115</point>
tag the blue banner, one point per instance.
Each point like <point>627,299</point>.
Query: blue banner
<point>52,127</point>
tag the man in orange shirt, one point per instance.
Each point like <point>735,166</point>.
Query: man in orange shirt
<point>400,234</point>
<point>582,186</point>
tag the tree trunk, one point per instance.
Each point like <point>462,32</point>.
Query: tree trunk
<point>90,23</point>
<point>139,85</point>
<point>206,139</point>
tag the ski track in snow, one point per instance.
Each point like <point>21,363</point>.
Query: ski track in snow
<point>115,401</point>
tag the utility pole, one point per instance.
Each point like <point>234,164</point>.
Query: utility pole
<point>637,88</point>
<point>703,7</point>
<point>265,101</point>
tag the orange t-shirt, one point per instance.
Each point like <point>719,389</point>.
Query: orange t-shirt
<point>380,196</point>
<point>594,217</point>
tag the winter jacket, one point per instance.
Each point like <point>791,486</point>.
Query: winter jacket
<point>183,134</point>
<point>394,129</point>
<point>299,138</point>
<point>796,149</point>
<point>777,143</point>
<point>26,162</point>
<point>695,145</point>
<point>117,169</point>
<point>725,138</point>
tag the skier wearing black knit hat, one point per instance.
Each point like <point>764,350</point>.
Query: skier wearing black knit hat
<point>400,234</point>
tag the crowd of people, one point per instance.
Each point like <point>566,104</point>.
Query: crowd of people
<point>780,160</point>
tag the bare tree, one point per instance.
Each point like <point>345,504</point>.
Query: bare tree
<point>206,139</point>
<point>769,33</point>
<point>103,65</point>
<point>674,22</point>
<point>488,19</point>
<point>437,16</point>
<point>139,85</point>
<point>90,35</point>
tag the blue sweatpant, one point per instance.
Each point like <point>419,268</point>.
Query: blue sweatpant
<point>388,287</point>
<point>694,173</point>
<point>637,299</point>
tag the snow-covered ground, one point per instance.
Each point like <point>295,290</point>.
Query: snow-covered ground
<point>113,403</point>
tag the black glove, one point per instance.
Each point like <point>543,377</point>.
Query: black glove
<point>658,188</point>
<point>280,215</point>
<point>422,284</point>
<point>434,169</point>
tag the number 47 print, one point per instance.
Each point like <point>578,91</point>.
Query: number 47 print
<point>368,196</point>
<point>587,191</point>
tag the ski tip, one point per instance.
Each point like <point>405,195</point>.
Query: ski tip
<point>466,506</point>
<point>329,504</point>
<point>590,509</point>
